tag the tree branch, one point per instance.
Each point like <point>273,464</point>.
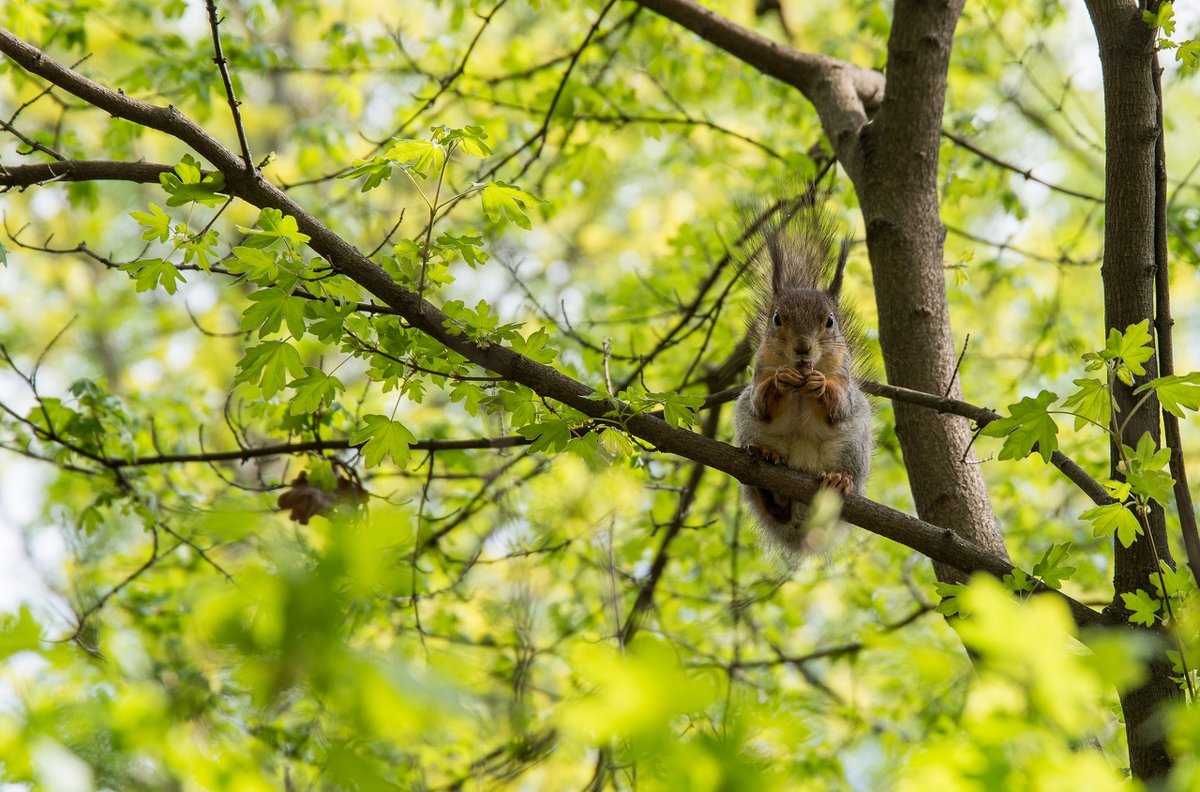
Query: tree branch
<point>845,96</point>
<point>1163,324</point>
<point>22,176</point>
<point>223,68</point>
<point>982,416</point>
<point>1025,173</point>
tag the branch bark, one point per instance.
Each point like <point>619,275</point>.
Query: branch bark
<point>845,96</point>
<point>1131,134</point>
<point>22,176</point>
<point>941,544</point>
<point>899,197</point>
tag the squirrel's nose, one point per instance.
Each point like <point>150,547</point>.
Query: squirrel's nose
<point>803,349</point>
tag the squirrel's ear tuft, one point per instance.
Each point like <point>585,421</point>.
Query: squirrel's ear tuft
<point>778,259</point>
<point>835,285</point>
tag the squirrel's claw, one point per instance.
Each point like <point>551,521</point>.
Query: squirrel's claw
<point>842,482</point>
<point>788,377</point>
<point>774,457</point>
<point>814,384</point>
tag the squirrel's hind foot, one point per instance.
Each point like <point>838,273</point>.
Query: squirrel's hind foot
<point>842,482</point>
<point>774,457</point>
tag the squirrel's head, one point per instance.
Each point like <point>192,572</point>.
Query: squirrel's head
<point>802,322</point>
<point>804,330</point>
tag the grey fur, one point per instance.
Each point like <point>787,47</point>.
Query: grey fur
<point>801,257</point>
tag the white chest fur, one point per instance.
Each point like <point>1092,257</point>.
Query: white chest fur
<point>801,435</point>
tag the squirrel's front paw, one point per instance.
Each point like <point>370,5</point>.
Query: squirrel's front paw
<point>788,377</point>
<point>813,385</point>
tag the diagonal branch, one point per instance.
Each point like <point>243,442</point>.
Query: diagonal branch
<point>982,416</point>
<point>845,96</point>
<point>1025,173</point>
<point>940,544</point>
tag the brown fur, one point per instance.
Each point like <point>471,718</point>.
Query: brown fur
<point>803,407</point>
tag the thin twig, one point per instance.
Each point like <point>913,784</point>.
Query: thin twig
<point>82,619</point>
<point>957,366</point>
<point>541,134</point>
<point>1026,173</point>
<point>223,67</point>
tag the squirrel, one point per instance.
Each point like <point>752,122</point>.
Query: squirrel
<point>804,408</point>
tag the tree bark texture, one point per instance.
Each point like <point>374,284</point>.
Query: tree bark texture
<point>1131,137</point>
<point>899,197</point>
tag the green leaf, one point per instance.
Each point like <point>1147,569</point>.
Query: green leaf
<point>469,139</point>
<point>1177,580</point>
<point>186,185</point>
<point>1052,569</point>
<point>156,222</point>
<point>1147,475</point>
<point>1029,424</point>
<point>3,256</point>
<point>550,435</point>
<point>1163,19</point>
<point>1018,581</point>
<point>679,410</point>
<point>475,147</point>
<point>505,200</point>
<point>150,273</point>
<point>314,390</point>
<point>468,246</point>
<point>18,633</point>
<point>949,602</point>
<point>271,308</point>
<point>383,437</point>
<point>1114,518</point>
<point>200,249</point>
<point>259,266</point>
<point>272,226</point>
<point>420,156</point>
<point>1117,490</point>
<point>1188,55</point>
<point>268,364</point>
<point>1129,350</point>
<point>1142,607</point>
<point>1177,392</point>
<point>377,171</point>
<point>1091,402</point>
<point>469,394</point>
<point>534,346</point>
<point>483,321</point>
<point>330,319</point>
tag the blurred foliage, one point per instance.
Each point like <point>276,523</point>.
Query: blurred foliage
<point>439,617</point>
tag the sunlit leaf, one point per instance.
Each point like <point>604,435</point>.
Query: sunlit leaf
<point>1029,424</point>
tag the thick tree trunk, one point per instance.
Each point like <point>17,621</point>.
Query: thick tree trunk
<point>1131,135</point>
<point>897,189</point>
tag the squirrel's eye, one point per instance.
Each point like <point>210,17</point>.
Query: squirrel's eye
<point>829,321</point>
<point>776,320</point>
